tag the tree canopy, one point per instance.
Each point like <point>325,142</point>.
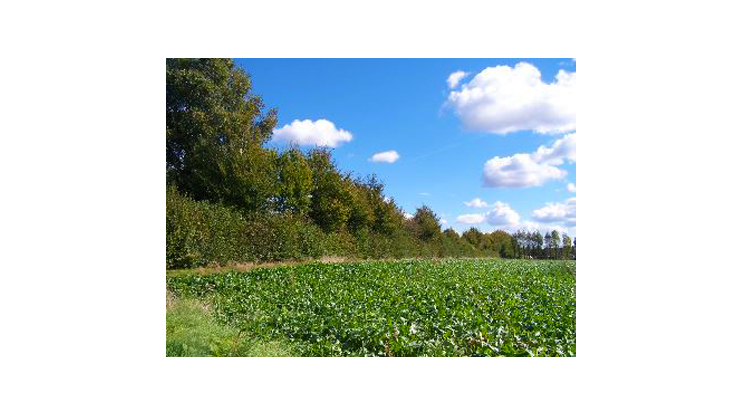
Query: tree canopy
<point>214,132</point>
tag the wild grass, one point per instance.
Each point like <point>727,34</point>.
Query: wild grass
<point>192,331</point>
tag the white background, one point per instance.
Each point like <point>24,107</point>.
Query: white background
<point>662,282</point>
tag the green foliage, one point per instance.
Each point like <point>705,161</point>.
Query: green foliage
<point>295,183</point>
<point>387,217</point>
<point>425,224</point>
<point>503,244</point>
<point>407,308</point>
<point>567,246</point>
<point>214,132</point>
<point>201,233</point>
<point>474,237</point>
<point>450,233</point>
<point>361,214</point>
<point>555,243</point>
<point>331,200</point>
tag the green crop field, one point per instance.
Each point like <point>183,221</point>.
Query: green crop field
<point>463,307</point>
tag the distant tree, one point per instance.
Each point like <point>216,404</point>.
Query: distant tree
<point>214,132</point>
<point>535,243</point>
<point>555,243</point>
<point>386,217</point>
<point>331,199</point>
<point>547,244</point>
<point>474,237</point>
<point>294,190</point>
<point>517,238</point>
<point>567,244</point>
<point>574,248</point>
<point>426,223</point>
<point>503,244</point>
<point>450,233</point>
<point>361,215</point>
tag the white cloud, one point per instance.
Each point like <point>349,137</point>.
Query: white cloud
<point>476,203</point>
<point>518,171</point>
<point>388,199</point>
<point>443,221</point>
<point>387,156</point>
<point>424,193</point>
<point>407,215</point>
<point>505,99</point>
<point>562,149</point>
<point>558,212</point>
<point>527,170</point>
<point>571,187</point>
<point>531,226</point>
<point>471,218</point>
<point>454,79</point>
<point>306,132</point>
<point>503,215</point>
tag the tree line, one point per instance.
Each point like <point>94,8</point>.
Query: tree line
<point>549,246</point>
<point>230,198</point>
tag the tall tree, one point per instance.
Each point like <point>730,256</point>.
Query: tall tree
<point>361,215</point>
<point>294,190</point>
<point>547,244</point>
<point>474,237</point>
<point>567,244</point>
<point>426,223</point>
<point>331,199</point>
<point>214,132</point>
<point>538,243</point>
<point>555,243</point>
<point>386,215</point>
<point>450,233</point>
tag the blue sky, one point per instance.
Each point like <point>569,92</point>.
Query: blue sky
<point>479,137</point>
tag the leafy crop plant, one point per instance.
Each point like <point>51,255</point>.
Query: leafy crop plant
<point>459,307</point>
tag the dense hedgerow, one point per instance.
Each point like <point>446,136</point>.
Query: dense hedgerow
<point>488,307</point>
<point>201,233</point>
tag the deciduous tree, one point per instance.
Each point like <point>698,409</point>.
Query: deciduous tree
<point>214,132</point>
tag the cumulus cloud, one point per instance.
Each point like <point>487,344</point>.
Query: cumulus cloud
<point>558,212</point>
<point>506,99</point>
<point>476,203</point>
<point>443,221</point>
<point>562,149</point>
<point>387,156</point>
<point>471,218</point>
<point>502,216</point>
<point>307,132</point>
<point>518,171</point>
<point>527,170</point>
<point>407,215</point>
<point>571,187</point>
<point>454,79</point>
